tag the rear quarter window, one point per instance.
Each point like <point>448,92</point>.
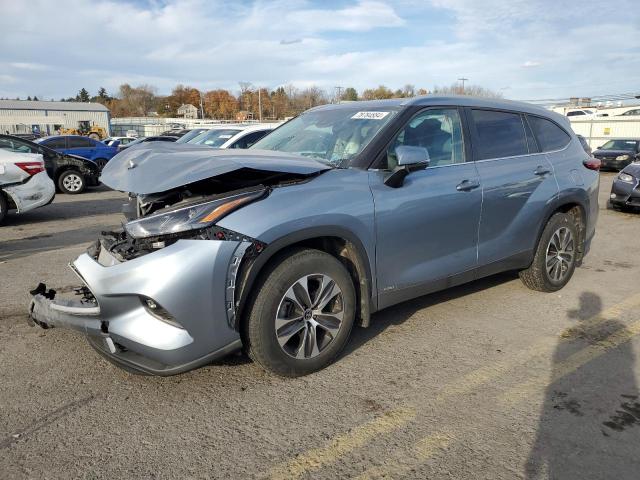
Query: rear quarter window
<point>498,134</point>
<point>549,135</point>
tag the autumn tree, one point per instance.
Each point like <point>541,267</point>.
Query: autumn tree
<point>379,93</point>
<point>133,101</point>
<point>181,95</point>
<point>220,104</point>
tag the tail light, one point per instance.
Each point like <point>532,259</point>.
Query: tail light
<point>31,167</point>
<point>592,163</point>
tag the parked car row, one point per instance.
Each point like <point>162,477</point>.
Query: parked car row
<point>70,173</point>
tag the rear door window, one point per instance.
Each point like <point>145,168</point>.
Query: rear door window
<point>498,134</point>
<point>54,143</point>
<point>80,142</point>
<point>550,136</point>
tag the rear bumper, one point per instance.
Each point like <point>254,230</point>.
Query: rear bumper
<point>38,191</point>
<point>188,280</point>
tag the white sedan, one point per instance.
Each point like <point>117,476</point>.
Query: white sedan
<point>24,183</point>
<point>231,136</point>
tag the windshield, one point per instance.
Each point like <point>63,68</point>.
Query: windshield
<point>333,135</point>
<point>191,134</point>
<point>214,138</point>
<point>629,145</point>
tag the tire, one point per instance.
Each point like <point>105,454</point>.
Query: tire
<point>544,274</point>
<point>4,208</point>
<point>321,332</point>
<point>71,182</point>
<point>101,162</point>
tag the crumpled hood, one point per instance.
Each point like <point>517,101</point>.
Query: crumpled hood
<point>161,166</point>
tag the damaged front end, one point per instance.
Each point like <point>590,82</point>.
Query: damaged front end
<point>159,296</point>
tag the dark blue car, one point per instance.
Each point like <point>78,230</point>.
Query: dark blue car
<point>81,146</point>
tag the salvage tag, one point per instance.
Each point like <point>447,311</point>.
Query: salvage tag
<point>370,115</point>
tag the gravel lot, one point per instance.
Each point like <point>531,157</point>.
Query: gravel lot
<point>488,380</point>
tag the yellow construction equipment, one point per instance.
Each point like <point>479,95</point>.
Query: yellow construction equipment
<point>86,129</point>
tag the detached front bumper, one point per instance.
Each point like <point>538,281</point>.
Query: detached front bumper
<point>625,194</point>
<point>162,313</point>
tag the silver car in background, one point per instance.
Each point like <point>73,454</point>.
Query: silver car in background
<point>343,211</point>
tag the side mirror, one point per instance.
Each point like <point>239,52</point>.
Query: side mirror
<point>410,159</point>
<point>412,156</point>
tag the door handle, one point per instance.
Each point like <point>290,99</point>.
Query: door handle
<point>541,170</point>
<point>467,185</point>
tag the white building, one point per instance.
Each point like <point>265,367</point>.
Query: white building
<point>26,116</point>
<point>187,111</point>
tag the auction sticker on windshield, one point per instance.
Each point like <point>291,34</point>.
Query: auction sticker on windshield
<point>370,115</point>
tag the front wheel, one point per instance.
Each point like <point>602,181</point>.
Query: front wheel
<point>302,314</point>
<point>71,182</point>
<point>555,259</point>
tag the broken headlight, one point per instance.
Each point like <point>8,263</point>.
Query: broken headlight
<point>192,217</point>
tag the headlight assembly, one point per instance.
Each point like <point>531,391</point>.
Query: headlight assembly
<point>625,177</point>
<point>622,157</point>
<point>192,217</point>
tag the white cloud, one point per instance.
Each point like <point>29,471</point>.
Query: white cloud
<point>28,66</point>
<point>216,44</point>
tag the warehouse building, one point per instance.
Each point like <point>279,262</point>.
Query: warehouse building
<point>47,118</point>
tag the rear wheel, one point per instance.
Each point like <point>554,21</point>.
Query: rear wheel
<point>71,182</point>
<point>555,259</point>
<point>302,314</point>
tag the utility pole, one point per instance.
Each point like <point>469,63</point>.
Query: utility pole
<point>201,109</point>
<point>260,104</point>
<point>463,80</point>
<point>338,94</point>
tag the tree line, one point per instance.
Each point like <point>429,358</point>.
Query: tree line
<point>249,102</point>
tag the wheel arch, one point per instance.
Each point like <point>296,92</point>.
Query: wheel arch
<point>337,241</point>
<point>574,203</point>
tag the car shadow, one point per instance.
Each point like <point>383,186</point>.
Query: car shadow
<point>398,314</point>
<point>589,424</point>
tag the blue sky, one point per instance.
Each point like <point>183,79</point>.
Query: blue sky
<point>525,49</point>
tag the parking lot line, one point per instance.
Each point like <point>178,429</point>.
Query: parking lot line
<point>571,364</point>
<point>483,375</point>
<point>427,446</point>
<point>404,461</point>
<point>343,444</point>
<point>423,449</point>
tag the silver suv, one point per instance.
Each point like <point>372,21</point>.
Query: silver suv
<point>341,212</point>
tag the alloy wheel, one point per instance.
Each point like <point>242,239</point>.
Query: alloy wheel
<point>560,254</point>
<point>309,316</point>
<point>72,182</point>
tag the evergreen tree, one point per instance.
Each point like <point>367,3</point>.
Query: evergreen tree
<point>83,96</point>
